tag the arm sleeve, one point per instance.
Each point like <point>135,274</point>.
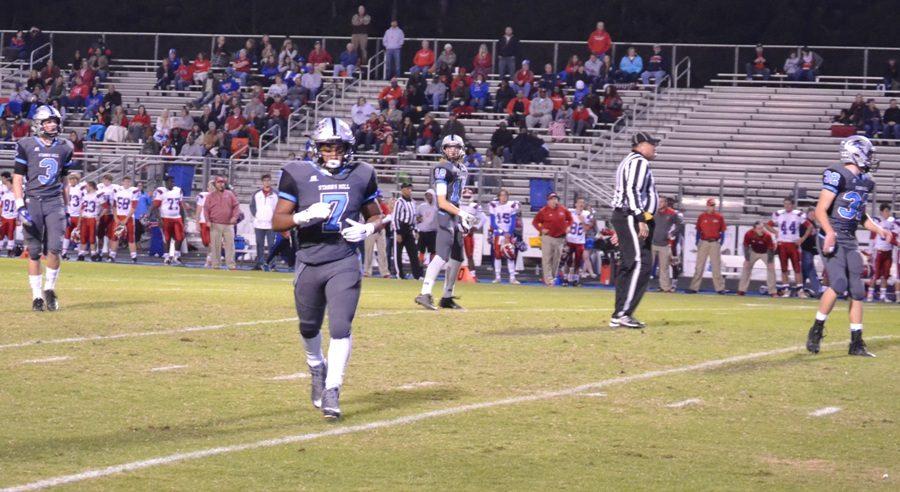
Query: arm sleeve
<point>21,167</point>
<point>235,207</point>
<point>832,181</point>
<point>253,205</point>
<point>287,187</point>
<point>634,176</point>
<point>371,189</point>
<point>537,221</point>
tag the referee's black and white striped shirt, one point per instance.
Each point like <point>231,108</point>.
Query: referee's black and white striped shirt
<point>635,189</point>
<point>405,212</point>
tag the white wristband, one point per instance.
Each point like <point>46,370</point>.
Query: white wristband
<point>20,202</point>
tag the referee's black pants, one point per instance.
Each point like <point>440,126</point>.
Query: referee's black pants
<point>635,262</point>
<point>404,234</point>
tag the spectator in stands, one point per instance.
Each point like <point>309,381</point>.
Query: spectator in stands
<point>74,137</point>
<point>192,148</point>
<point>507,53</point>
<point>221,208</point>
<point>16,49</point>
<point>6,132</point>
<point>552,222</point>
<point>392,115</point>
<point>429,130</point>
<point>34,83</point>
<point>459,93</point>
<point>393,43</point>
<point>792,66</point>
<point>139,122</point>
<point>599,42</point>
<point>366,134</point>
<point>62,110</point>
<point>286,56</point>
<point>549,80</point>
<point>871,119</point>
<point>524,79</point>
<point>631,66</point>
<point>20,101</point>
<point>843,118</point>
<point>220,57</point>
<point>414,95</point>
<point>856,111</point>
<point>359,114</point>
<point>559,100</point>
<point>240,68</point>
<point>359,27</point>
<point>613,107</point>
<point>163,123</point>
<point>86,73</point>
<point>266,49</point>
<point>392,91</point>
<point>571,67</point>
<point>657,67</point>
<point>347,62</point>
<point>164,75</point>
<point>311,82</point>
<point>117,130</point>
<point>891,121</point>
<point>892,76</point>
<point>112,98</point>
<point>21,128</point>
<point>213,139</point>
<point>278,88</point>
<point>256,112</point>
<point>423,59</point>
<point>93,101</point>
<point>810,63</point>
<point>269,68</point>
<point>388,146</point>
<point>759,65</point>
<point>174,60</point>
<point>526,148</point>
<point>201,68</point>
<point>540,111</point>
<point>518,109</point>
<point>446,62</point>
<point>505,94</point>
<point>758,246</point>
<point>407,133</point>
<point>482,63</point>
<point>582,90</point>
<point>278,115</point>
<point>77,95</point>
<point>710,233</point>
<point>479,93</point>
<point>473,159</point>
<point>592,68</point>
<point>579,75</point>
<point>319,57</point>
<point>581,119</point>
<point>183,76</point>
<point>49,73</point>
<point>436,92</point>
<point>500,139</point>
<point>453,127</point>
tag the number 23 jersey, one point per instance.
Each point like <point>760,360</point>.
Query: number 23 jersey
<point>849,205</point>
<point>347,191</point>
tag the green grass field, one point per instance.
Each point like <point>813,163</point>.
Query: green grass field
<point>224,345</point>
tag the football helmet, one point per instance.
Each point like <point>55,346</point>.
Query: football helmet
<point>508,250</point>
<point>859,150</point>
<point>43,114</point>
<point>75,237</point>
<point>453,142</point>
<point>331,131</point>
<point>120,231</point>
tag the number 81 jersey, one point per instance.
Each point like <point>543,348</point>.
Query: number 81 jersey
<point>347,191</point>
<point>849,205</point>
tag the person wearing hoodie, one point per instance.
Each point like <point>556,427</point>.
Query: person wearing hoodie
<point>631,66</point>
<point>657,67</point>
<point>792,66</point>
<point>479,93</point>
<point>581,91</point>
<point>541,111</point>
<point>810,63</point>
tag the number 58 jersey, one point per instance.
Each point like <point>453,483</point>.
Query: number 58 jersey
<point>347,191</point>
<point>849,205</point>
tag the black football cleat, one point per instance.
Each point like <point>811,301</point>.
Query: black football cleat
<point>425,301</point>
<point>37,304</point>
<point>449,303</point>
<point>629,322</point>
<point>331,408</point>
<point>51,300</point>
<point>815,336</point>
<point>317,376</point>
<point>858,346</point>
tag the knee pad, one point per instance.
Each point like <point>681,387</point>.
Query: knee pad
<point>857,290</point>
<point>839,285</point>
<point>34,253</point>
<point>309,330</point>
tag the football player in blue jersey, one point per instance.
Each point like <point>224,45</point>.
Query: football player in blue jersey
<point>841,209</point>
<point>324,200</point>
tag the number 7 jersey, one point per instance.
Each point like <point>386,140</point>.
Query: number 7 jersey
<point>347,191</point>
<point>849,205</point>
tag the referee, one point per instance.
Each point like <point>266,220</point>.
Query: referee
<point>404,224</point>
<point>634,204</point>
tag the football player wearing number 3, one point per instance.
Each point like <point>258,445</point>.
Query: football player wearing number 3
<point>324,200</point>
<point>840,210</point>
<point>448,178</point>
<point>42,162</point>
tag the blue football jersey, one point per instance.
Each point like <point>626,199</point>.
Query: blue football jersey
<point>852,192</point>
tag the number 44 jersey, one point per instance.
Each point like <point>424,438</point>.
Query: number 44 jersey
<point>849,204</point>
<point>347,191</point>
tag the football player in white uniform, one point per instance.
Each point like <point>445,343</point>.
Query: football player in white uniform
<point>73,209</point>
<point>785,225</point>
<point>8,214</point>
<point>576,236</point>
<point>91,205</point>
<point>473,207</point>
<point>504,215</point>
<point>125,199</point>
<point>881,251</point>
<point>106,189</point>
<point>171,213</point>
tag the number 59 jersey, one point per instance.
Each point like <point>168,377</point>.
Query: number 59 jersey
<point>347,191</point>
<point>849,205</point>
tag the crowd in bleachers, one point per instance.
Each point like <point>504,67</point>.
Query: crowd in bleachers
<point>865,116</point>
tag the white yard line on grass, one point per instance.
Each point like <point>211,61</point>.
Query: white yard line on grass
<point>423,384</point>
<point>397,422</point>
<point>824,411</point>
<point>290,377</point>
<point>595,394</point>
<point>684,403</point>
<point>46,359</point>
<point>167,368</point>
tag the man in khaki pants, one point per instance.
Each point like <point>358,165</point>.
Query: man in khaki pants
<point>378,239</point>
<point>758,246</point>
<point>552,222</point>
<point>222,209</point>
<point>710,229</point>
<point>668,225</point>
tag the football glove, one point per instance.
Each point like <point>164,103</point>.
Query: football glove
<point>22,211</point>
<point>120,231</point>
<point>76,235</point>
<point>357,232</point>
<point>467,220</point>
<point>316,212</point>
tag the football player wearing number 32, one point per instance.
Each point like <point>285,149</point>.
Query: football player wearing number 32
<point>448,178</point>
<point>324,200</point>
<point>840,210</point>
<point>42,162</point>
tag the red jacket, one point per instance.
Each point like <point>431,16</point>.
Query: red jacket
<point>599,42</point>
<point>389,93</point>
<point>424,58</point>
<point>757,243</point>
<point>555,220</point>
<point>321,56</point>
<point>710,226</point>
<point>524,77</point>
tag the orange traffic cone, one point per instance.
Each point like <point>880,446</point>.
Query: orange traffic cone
<point>465,275</point>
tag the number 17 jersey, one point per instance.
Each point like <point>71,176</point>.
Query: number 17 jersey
<point>849,205</point>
